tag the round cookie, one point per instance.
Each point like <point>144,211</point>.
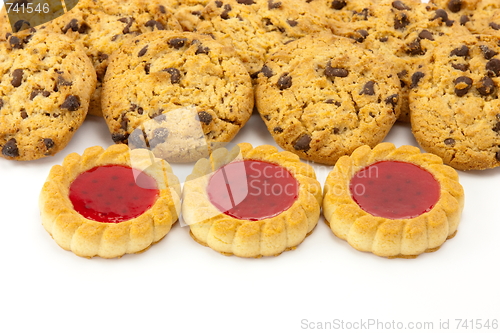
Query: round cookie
<point>161,72</point>
<point>134,204</point>
<point>102,26</point>
<point>456,103</point>
<point>323,96</point>
<point>251,202</point>
<point>45,86</point>
<point>393,202</point>
<point>256,28</point>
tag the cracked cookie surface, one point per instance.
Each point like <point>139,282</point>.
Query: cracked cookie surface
<point>323,96</point>
<point>45,87</point>
<point>164,71</point>
<point>455,104</point>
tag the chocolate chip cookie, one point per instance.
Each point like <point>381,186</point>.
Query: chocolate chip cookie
<point>45,87</point>
<point>102,26</point>
<point>323,96</point>
<point>455,104</point>
<point>161,72</point>
<point>256,28</point>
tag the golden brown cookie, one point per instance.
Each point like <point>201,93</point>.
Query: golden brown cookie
<point>109,202</point>
<point>251,202</point>
<point>393,202</point>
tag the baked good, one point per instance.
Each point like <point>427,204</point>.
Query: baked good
<point>251,202</point>
<point>163,71</point>
<point>456,103</point>
<point>403,31</point>
<point>102,26</point>
<point>256,28</point>
<point>45,87</point>
<point>393,202</point>
<point>134,205</point>
<point>187,12</point>
<point>323,96</point>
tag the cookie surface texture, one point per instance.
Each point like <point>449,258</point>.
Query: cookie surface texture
<point>45,86</point>
<point>456,103</point>
<point>323,96</point>
<point>260,236</point>
<point>71,227</point>
<point>163,71</point>
<point>399,213</point>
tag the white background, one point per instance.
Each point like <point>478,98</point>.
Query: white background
<point>181,286</point>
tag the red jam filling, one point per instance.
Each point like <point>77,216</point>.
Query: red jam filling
<point>113,193</point>
<point>252,190</point>
<point>394,190</point>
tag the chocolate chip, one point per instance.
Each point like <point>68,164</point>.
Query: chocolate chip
<point>303,143</point>
<point>1,103</point>
<point>441,14</point>
<point>153,23</point>
<point>285,81</point>
<point>399,5</point>
<point>338,4</point>
<point>332,72</point>
<point>114,38</point>
<point>462,51</point>
<point>129,21</point>
<point>361,35</point>
<point>147,68</point>
<point>245,2</point>
<point>37,92</point>
<point>15,42</point>
<point>401,20</point>
<point>72,103</point>
<point>461,67</point>
<point>487,52</point>
<point>84,27</point>
<point>497,126</point>
<point>393,100</point>
<point>24,114</point>
<point>363,13</point>
<point>143,51</point>
<point>426,34</point>
<point>368,88</point>
<point>159,136</point>
<point>384,39</point>
<point>415,48</point>
<point>292,23</point>
<point>455,5</point>
<point>163,10</point>
<point>177,43</point>
<point>493,67</point>
<point>278,130</point>
<point>175,74</point>
<point>49,143</point>
<point>273,5</point>
<point>124,123</point>
<point>73,25</point>
<point>10,148</point>
<point>462,85</point>
<point>61,81</point>
<point>449,142</point>
<point>21,25</point>
<point>497,156</point>
<point>415,78</point>
<point>227,9</point>
<point>205,117</point>
<point>102,56</point>
<point>464,19</point>
<point>218,4</point>
<point>159,116</point>
<point>140,110</point>
<point>17,77</point>
<point>494,26</point>
<point>119,137</point>
<point>486,86</point>
<point>202,49</point>
<point>267,71</point>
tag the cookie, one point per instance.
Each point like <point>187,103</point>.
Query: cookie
<point>45,86</point>
<point>109,202</point>
<point>256,28</point>
<point>393,202</point>
<point>102,26</point>
<point>323,96</point>
<point>403,31</point>
<point>251,202</point>
<point>187,12</point>
<point>161,72</point>
<point>456,103</point>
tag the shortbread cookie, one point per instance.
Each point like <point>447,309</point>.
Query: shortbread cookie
<point>393,202</point>
<point>256,28</point>
<point>251,202</point>
<point>163,71</point>
<point>456,103</point>
<point>109,202</point>
<point>102,26</point>
<point>45,86</point>
<point>323,96</point>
